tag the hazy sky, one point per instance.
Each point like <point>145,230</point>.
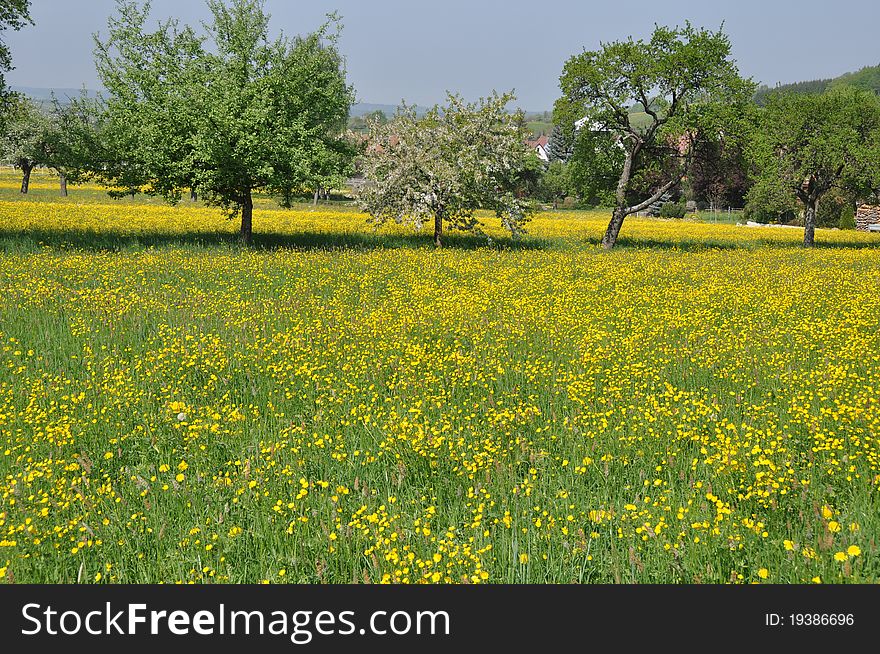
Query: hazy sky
<point>415,50</point>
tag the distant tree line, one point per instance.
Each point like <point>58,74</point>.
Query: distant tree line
<point>650,125</point>
<point>866,79</point>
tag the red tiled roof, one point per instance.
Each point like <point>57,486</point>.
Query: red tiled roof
<point>540,141</point>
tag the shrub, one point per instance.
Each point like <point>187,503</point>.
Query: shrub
<point>768,203</point>
<point>836,210</point>
<point>847,218</point>
<point>673,210</point>
<point>830,209</point>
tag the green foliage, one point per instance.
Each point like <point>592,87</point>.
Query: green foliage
<point>538,128</point>
<point>866,79</point>
<point>690,90</point>
<point>847,218</point>
<point>560,145</point>
<point>810,87</point>
<point>25,141</point>
<point>768,202</point>
<point>836,209</point>
<point>75,143</point>
<point>718,176</point>
<point>377,116</point>
<point>673,210</point>
<point>226,115</point>
<point>449,163</point>
<point>806,145</point>
<point>594,167</point>
<point>14,14</point>
<point>554,183</point>
<point>361,124</point>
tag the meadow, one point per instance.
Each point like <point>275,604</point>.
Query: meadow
<point>344,404</point>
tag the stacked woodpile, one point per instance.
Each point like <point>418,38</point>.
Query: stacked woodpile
<point>867,215</point>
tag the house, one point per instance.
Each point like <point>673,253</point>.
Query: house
<point>539,145</point>
<point>595,126</point>
<point>868,218</point>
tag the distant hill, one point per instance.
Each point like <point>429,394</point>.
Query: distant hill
<point>44,95</point>
<point>867,78</point>
<point>358,109</point>
<point>363,108</point>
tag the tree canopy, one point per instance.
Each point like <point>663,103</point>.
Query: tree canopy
<point>806,145</point>
<point>689,88</point>
<point>447,164</point>
<point>26,140</point>
<point>224,114</point>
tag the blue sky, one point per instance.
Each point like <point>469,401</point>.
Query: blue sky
<point>416,50</point>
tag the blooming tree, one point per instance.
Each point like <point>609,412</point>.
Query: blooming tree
<point>445,165</point>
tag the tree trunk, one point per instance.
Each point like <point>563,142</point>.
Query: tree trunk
<point>247,219</point>
<point>62,179</point>
<point>317,193</point>
<point>193,196</point>
<point>810,223</point>
<point>26,178</point>
<point>438,229</point>
<point>613,231</point>
<point>619,213</point>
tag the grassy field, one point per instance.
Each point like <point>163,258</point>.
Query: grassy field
<point>344,404</point>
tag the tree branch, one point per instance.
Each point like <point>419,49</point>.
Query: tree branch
<point>651,200</point>
<point>643,98</point>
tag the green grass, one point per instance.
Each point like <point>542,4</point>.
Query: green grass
<point>345,405</point>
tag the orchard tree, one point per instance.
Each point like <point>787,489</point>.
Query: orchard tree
<point>147,117</point>
<point>224,115</point>
<point>54,139</point>
<point>807,145</point>
<point>25,143</point>
<point>74,145</point>
<point>690,90</point>
<point>444,166</point>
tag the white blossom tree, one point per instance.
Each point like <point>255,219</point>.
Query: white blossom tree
<point>25,142</point>
<point>445,165</point>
